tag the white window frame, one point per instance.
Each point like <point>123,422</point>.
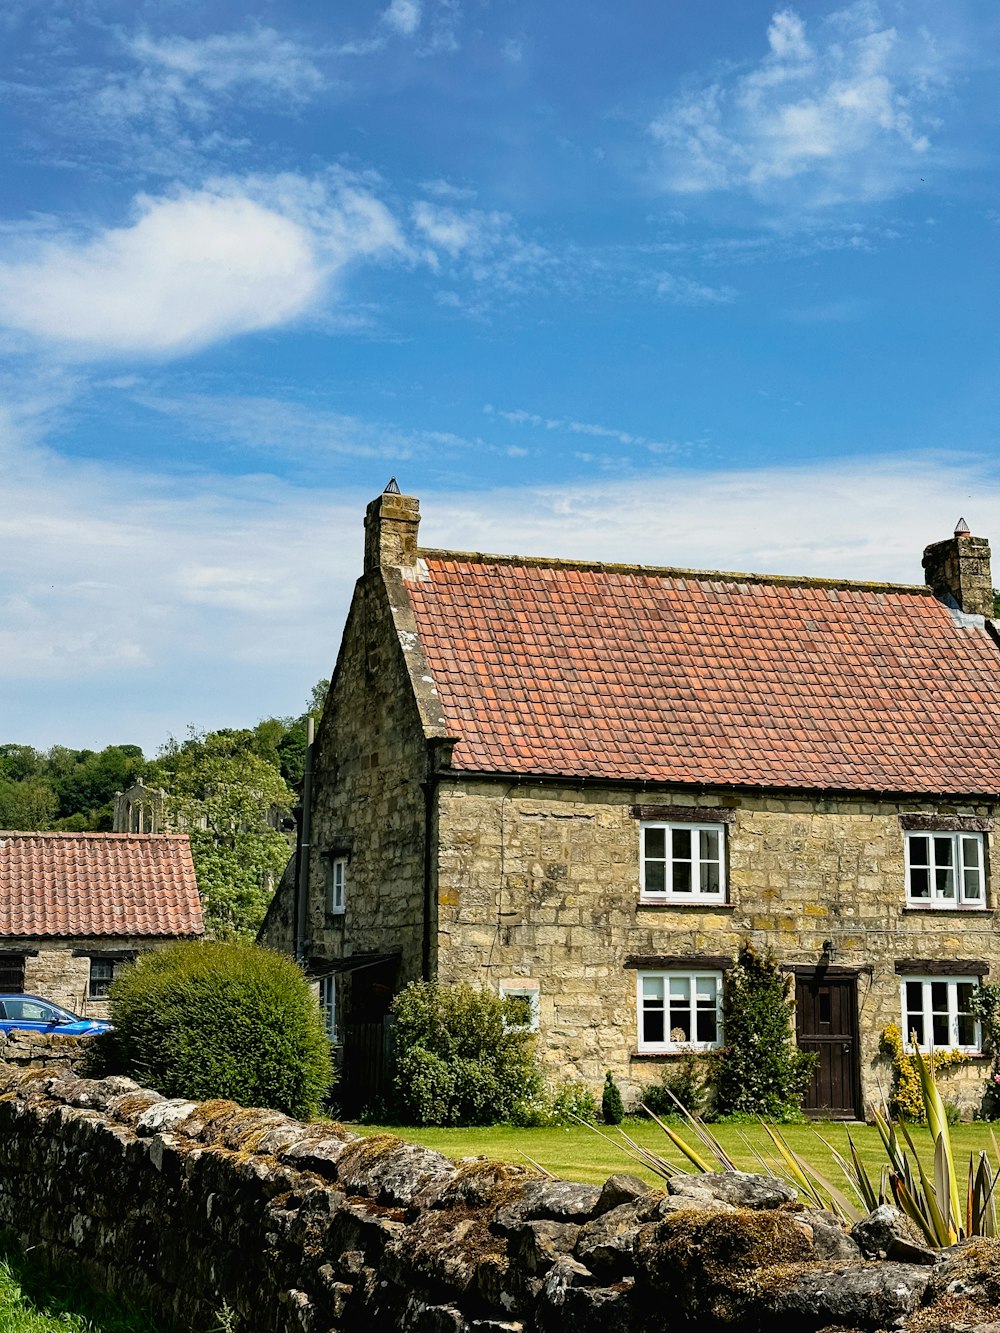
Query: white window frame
<point>336,886</point>
<point>668,894</point>
<point>529,993</point>
<point>927,1011</point>
<point>328,1005</point>
<point>958,842</point>
<point>693,976</point>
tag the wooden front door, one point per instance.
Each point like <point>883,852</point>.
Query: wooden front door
<point>826,1021</point>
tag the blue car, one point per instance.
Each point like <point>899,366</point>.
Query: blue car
<point>30,1013</point>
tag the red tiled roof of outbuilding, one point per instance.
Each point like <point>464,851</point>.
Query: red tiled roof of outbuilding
<point>687,676</point>
<point>98,884</point>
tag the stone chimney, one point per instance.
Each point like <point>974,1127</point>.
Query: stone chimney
<point>959,569</point>
<point>391,523</point>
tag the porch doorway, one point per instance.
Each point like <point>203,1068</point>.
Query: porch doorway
<point>826,1021</point>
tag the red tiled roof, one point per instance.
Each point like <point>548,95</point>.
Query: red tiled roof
<point>674,676</point>
<point>88,884</point>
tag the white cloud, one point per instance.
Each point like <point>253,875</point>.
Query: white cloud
<point>485,246</point>
<point>686,291</point>
<point>205,265</point>
<point>844,116</point>
<point>132,603</point>
<point>259,61</point>
<point>403,16</point>
<point>519,417</point>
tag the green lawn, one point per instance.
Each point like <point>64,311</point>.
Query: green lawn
<point>32,1301</point>
<point>581,1154</point>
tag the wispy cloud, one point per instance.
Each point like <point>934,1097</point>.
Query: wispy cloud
<point>484,247</point>
<point>260,62</point>
<point>403,16</point>
<point>566,426</point>
<point>839,110</point>
<point>189,270</point>
<point>686,291</point>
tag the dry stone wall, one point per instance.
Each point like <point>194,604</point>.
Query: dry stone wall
<point>308,1228</point>
<point>38,1050</point>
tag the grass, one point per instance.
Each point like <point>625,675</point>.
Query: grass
<point>32,1300</point>
<point>580,1154</point>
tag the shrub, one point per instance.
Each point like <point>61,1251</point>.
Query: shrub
<point>463,1056</point>
<point>570,1103</point>
<point>761,1070</point>
<point>212,1019</point>
<point>689,1079</point>
<point>611,1102</point>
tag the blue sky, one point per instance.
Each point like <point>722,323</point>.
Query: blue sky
<point>709,284</point>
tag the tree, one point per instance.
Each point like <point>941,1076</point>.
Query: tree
<point>228,799</point>
<point>28,805</point>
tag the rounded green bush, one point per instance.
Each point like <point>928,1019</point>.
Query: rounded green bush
<point>215,1018</point>
<point>463,1055</point>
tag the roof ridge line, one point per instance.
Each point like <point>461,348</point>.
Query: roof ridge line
<point>670,571</point>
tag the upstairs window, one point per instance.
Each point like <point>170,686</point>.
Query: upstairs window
<point>945,870</point>
<point>937,1013</point>
<point>683,863</point>
<point>336,891</point>
<point>679,1011</point>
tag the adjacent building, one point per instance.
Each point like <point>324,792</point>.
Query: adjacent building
<point>75,906</point>
<point>586,783</point>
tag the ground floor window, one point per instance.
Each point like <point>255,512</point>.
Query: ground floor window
<point>328,1004</point>
<point>529,1005</point>
<point>11,974</point>
<point>102,973</point>
<point>937,1013</point>
<point>679,1010</point>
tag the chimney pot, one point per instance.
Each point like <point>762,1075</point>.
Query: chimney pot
<point>962,529</point>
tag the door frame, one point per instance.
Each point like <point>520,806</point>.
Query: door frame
<point>817,973</point>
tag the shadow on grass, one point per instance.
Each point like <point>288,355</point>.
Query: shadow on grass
<point>54,1295</point>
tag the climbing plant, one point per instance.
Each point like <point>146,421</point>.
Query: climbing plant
<point>906,1100</point>
<point>761,1070</point>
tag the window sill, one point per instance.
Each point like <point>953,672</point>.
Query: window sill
<point>948,908</point>
<point>333,919</point>
<point>703,905</point>
<point>678,1053</point>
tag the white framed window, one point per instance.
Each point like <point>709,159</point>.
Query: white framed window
<point>683,862</point>
<point>679,1011</point>
<point>336,886</point>
<point>328,1005</point>
<point>936,1011</point>
<point>945,870</point>
<point>532,1007</point>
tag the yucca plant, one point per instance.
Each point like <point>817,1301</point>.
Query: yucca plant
<point>945,1205</point>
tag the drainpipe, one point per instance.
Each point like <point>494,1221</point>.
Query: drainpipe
<point>305,850</point>
<point>438,757</point>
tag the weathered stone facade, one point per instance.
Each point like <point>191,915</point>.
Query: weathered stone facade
<point>298,1228</point>
<point>565,913</point>
<point>60,971</point>
<point>534,883</point>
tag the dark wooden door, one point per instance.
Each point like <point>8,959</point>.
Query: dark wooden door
<point>826,1021</point>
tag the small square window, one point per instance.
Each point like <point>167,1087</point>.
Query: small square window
<point>683,863</point>
<point>102,973</point>
<point>679,1011</point>
<point>336,889</point>
<point>529,1010</point>
<point>945,870</point>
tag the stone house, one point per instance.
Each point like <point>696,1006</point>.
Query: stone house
<point>587,783</point>
<point>75,906</point>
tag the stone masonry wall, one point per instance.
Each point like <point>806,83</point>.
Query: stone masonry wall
<point>308,1229</point>
<point>540,885</point>
<point>59,970</point>
<point>371,757</point>
<point>38,1050</point>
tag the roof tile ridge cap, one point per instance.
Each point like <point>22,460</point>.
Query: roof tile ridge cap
<point>672,571</point>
